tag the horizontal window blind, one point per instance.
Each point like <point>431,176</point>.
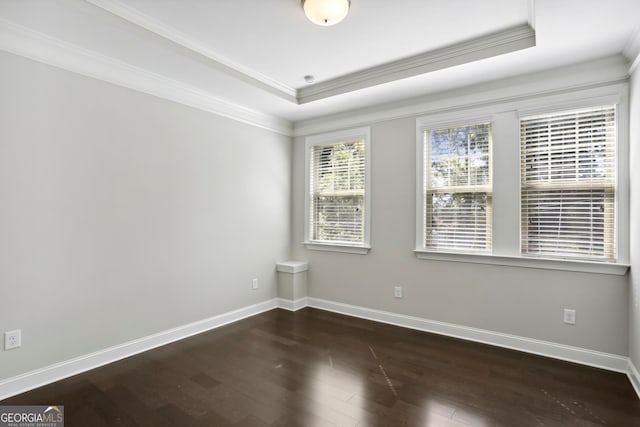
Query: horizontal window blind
<point>457,186</point>
<point>568,184</point>
<point>338,192</point>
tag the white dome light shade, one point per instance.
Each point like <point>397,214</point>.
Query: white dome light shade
<point>326,12</point>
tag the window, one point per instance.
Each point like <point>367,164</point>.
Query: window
<point>337,191</point>
<point>568,184</point>
<point>456,183</point>
<point>537,182</point>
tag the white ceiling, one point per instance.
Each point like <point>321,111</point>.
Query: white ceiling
<point>253,54</point>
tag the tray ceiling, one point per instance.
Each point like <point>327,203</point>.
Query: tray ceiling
<point>249,57</point>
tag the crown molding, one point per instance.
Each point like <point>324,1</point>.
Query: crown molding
<point>34,45</point>
<point>498,43</point>
<point>236,70</point>
<point>509,40</point>
<point>632,50</point>
<point>598,75</point>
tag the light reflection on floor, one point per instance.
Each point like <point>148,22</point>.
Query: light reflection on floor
<point>442,414</point>
<point>332,392</point>
<point>340,397</point>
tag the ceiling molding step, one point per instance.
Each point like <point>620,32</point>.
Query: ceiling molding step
<point>632,50</point>
<point>498,43</point>
<point>34,45</point>
<point>600,75</point>
<point>250,76</point>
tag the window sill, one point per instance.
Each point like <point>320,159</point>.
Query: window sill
<point>337,247</point>
<point>618,269</point>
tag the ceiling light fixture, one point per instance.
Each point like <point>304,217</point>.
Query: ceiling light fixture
<point>326,12</point>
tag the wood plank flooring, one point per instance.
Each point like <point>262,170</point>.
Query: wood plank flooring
<point>315,368</point>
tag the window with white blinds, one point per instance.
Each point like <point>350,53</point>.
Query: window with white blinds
<point>568,184</point>
<point>337,196</point>
<point>457,188</point>
<point>337,186</point>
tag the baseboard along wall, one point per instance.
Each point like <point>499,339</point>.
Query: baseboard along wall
<point>49,374</point>
<point>634,377</point>
<point>39,377</point>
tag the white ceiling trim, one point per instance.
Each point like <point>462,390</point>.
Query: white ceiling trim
<point>498,43</point>
<point>25,42</point>
<point>509,40</point>
<point>632,49</point>
<point>599,76</point>
<point>532,14</point>
<point>248,75</point>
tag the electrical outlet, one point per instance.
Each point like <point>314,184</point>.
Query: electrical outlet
<point>569,316</point>
<point>254,284</point>
<point>397,291</point>
<point>12,339</point>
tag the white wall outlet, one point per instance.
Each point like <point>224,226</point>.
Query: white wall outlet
<point>12,339</point>
<point>397,291</point>
<point>254,284</point>
<point>569,316</point>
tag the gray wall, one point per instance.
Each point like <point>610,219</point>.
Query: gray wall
<point>521,301</point>
<point>634,277</point>
<point>122,214</point>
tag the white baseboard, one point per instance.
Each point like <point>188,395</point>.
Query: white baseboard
<point>290,305</point>
<point>39,377</point>
<point>634,377</point>
<point>611,362</point>
<point>579,355</point>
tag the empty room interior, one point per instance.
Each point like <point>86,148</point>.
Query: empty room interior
<point>320,212</point>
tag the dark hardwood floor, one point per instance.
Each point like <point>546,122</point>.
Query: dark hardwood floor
<point>315,368</point>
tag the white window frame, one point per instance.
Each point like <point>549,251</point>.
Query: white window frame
<point>331,138</point>
<point>505,118</point>
<point>424,125</point>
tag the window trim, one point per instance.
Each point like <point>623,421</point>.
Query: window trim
<point>330,139</point>
<point>506,251</point>
<point>424,124</point>
<point>602,267</point>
